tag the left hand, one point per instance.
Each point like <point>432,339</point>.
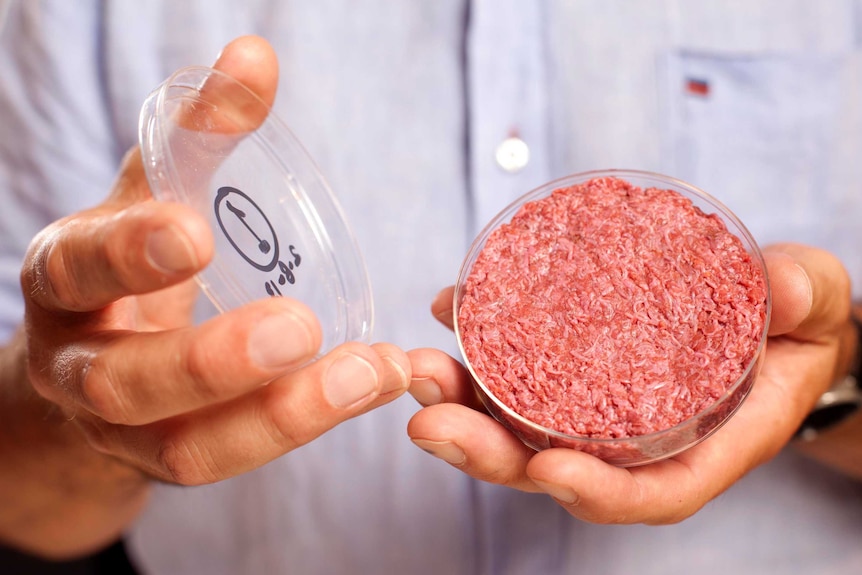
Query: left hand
<point>807,348</point>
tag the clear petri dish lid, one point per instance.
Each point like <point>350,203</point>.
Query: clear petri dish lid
<point>209,142</point>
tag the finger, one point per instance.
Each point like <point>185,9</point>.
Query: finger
<point>442,308</point>
<point>671,490</point>
<point>85,262</point>
<point>473,442</point>
<point>438,378</point>
<point>235,437</point>
<point>154,247</point>
<point>252,62</point>
<point>139,378</point>
<point>396,375</point>
<point>249,60</point>
<point>165,309</point>
<point>791,292</point>
<point>664,492</point>
<point>594,491</point>
<point>811,291</point>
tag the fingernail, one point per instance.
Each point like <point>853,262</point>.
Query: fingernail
<point>278,341</point>
<point>426,391</point>
<point>397,383</point>
<point>348,380</point>
<point>561,493</point>
<point>445,450</point>
<point>168,250</point>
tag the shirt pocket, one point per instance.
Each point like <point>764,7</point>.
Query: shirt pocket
<point>762,133</point>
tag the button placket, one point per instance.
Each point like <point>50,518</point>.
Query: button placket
<point>508,103</point>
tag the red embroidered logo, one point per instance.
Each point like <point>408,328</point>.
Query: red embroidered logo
<point>697,87</point>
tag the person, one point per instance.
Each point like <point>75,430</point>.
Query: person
<point>119,417</point>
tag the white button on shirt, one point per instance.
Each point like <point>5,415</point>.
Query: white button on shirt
<point>512,154</point>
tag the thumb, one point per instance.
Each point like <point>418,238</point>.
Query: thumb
<point>810,291</point>
<point>251,61</point>
<point>233,102</point>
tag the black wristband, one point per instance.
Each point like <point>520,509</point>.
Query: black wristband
<point>841,401</point>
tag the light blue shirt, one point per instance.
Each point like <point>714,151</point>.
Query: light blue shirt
<point>403,104</point>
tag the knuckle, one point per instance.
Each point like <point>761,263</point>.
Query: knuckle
<point>65,293</point>
<point>499,476</point>
<point>280,423</point>
<point>101,393</point>
<point>652,508</point>
<point>119,257</point>
<point>184,462</point>
<point>60,279</point>
<point>32,277</point>
<point>616,517</point>
<point>53,374</point>
<point>33,273</point>
<point>197,367</point>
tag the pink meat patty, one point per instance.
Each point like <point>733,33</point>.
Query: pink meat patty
<point>606,310</point>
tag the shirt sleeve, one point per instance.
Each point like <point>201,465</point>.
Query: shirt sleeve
<point>58,152</point>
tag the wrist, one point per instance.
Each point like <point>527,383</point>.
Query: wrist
<point>59,498</point>
<point>842,400</point>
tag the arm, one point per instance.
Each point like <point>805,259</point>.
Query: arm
<point>108,385</point>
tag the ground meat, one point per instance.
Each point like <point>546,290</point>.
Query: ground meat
<point>609,311</point>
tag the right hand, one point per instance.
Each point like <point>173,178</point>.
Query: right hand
<point>810,342</point>
<point>108,307</point>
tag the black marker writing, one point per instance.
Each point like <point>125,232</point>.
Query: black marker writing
<point>262,245</point>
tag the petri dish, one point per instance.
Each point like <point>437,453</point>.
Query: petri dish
<point>510,392</point>
<point>207,141</point>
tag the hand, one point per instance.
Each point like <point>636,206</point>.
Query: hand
<point>126,389</point>
<point>809,339</point>
<point>108,307</point>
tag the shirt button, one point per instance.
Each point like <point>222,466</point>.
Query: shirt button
<point>512,154</point>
